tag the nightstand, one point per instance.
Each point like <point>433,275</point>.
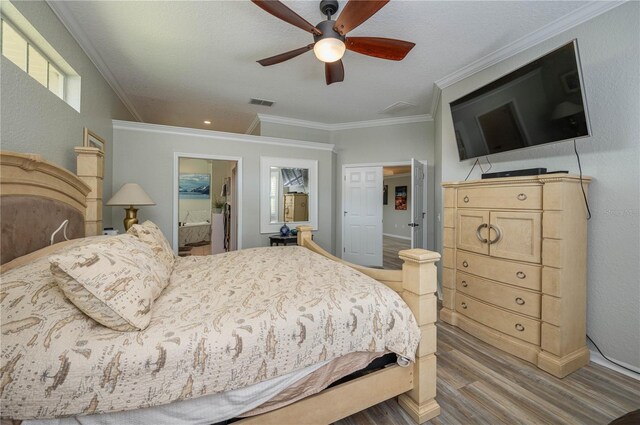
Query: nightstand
<point>284,240</point>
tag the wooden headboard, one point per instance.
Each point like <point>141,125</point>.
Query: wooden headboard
<point>35,198</point>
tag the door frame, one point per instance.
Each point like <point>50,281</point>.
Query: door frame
<point>176,185</point>
<point>370,164</point>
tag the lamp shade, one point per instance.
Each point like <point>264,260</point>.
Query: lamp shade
<point>566,109</point>
<point>130,194</point>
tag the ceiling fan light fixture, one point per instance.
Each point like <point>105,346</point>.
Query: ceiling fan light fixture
<point>329,49</point>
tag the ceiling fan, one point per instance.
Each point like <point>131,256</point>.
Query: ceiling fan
<point>330,41</point>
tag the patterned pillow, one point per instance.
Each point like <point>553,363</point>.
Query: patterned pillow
<point>114,281</point>
<point>151,234</point>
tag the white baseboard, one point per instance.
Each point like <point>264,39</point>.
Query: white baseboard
<point>397,236</point>
<point>598,359</point>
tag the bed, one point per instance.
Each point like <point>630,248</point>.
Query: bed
<point>297,311</point>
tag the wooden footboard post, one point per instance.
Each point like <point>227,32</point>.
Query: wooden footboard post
<point>419,283</point>
<point>304,234</point>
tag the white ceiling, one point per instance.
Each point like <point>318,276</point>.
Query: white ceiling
<point>180,63</point>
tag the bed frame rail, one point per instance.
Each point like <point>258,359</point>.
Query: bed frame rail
<point>416,284</point>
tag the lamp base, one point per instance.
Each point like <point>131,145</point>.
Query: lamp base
<point>131,217</point>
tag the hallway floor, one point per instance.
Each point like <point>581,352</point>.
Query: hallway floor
<point>390,248</point>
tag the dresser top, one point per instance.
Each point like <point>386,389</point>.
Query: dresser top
<point>539,179</point>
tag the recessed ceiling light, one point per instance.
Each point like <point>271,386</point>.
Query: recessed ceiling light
<point>207,122</point>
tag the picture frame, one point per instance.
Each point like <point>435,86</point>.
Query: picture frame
<point>570,82</point>
<point>385,195</point>
<point>194,186</point>
<point>92,140</point>
<point>401,198</point>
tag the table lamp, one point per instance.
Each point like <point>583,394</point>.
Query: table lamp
<point>130,194</point>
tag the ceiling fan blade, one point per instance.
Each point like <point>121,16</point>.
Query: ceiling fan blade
<point>384,48</point>
<point>281,11</point>
<point>285,56</point>
<point>356,12</point>
<point>334,72</point>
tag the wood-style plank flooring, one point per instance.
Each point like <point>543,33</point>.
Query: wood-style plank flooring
<point>390,248</point>
<point>479,384</point>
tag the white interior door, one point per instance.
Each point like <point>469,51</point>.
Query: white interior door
<point>417,204</point>
<point>362,216</point>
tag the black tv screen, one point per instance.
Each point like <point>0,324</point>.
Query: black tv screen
<point>541,102</point>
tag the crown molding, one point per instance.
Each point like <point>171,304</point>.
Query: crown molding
<point>273,119</point>
<point>61,10</point>
<point>382,122</point>
<point>253,125</point>
<point>577,17</point>
<point>343,126</point>
<point>435,99</point>
<point>219,135</point>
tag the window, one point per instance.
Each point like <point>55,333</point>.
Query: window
<point>27,57</point>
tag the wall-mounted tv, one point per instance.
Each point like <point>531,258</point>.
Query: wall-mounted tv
<point>541,102</point>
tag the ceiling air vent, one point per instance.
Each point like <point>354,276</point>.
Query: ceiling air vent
<point>261,102</point>
<point>397,107</point>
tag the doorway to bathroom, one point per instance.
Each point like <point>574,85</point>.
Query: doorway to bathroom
<point>206,204</point>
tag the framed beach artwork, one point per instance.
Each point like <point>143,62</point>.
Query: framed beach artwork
<point>195,186</point>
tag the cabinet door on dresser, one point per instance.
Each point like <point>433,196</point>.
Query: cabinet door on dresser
<point>472,232</point>
<point>515,235</point>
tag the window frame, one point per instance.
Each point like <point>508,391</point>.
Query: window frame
<point>31,45</point>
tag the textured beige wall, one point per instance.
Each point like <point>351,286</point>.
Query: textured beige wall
<point>35,120</point>
<point>609,50</point>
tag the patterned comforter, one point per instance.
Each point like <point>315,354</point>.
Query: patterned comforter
<point>224,322</point>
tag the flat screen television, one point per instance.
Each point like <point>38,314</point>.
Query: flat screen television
<point>541,102</point>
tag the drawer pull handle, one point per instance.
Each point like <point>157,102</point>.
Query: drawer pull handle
<point>465,264</point>
<point>498,234</point>
<point>466,199</point>
<point>522,197</point>
<point>464,305</point>
<point>519,301</point>
<point>519,327</point>
<point>478,235</point>
<point>521,275</point>
<point>464,283</point>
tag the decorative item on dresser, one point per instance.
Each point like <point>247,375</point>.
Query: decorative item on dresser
<point>514,266</point>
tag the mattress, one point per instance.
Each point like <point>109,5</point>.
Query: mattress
<point>223,323</point>
<point>252,400</point>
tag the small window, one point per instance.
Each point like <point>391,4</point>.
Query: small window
<point>56,81</point>
<point>14,47</point>
<point>25,55</point>
<point>37,66</point>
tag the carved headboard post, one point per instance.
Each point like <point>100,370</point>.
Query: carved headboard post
<point>90,164</point>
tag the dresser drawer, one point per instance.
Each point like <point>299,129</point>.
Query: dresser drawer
<point>503,197</point>
<point>512,324</point>
<point>519,274</point>
<point>514,299</point>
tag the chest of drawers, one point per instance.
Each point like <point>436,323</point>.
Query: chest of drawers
<point>514,266</point>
